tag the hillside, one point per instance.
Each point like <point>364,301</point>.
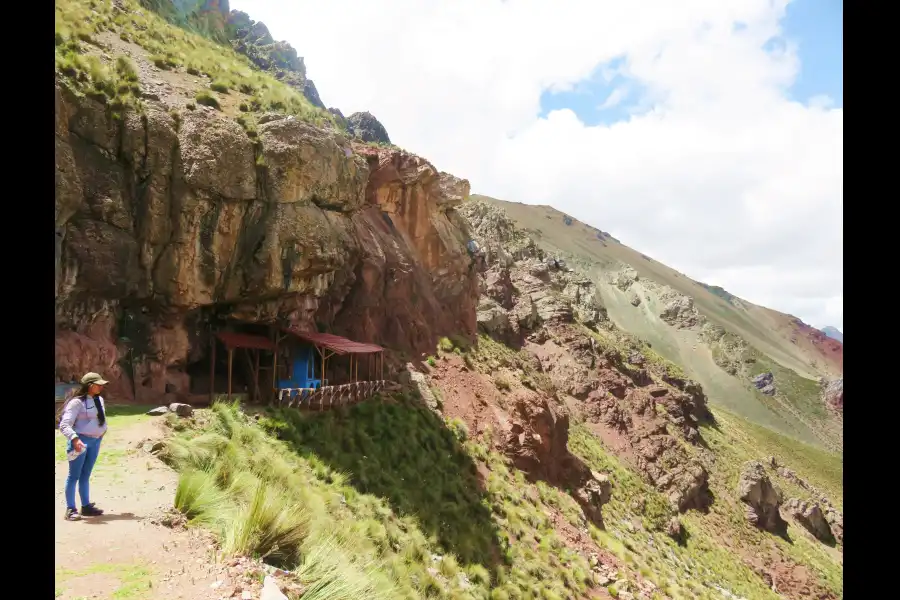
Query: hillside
<point>562,419</point>
<point>721,340</point>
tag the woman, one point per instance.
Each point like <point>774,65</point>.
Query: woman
<point>83,423</point>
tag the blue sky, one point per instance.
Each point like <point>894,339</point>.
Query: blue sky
<point>815,26</point>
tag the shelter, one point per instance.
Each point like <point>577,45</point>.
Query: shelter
<point>300,365</point>
<point>307,355</point>
<point>252,345</point>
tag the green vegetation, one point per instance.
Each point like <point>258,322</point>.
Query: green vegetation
<point>207,99</point>
<point>739,440</point>
<point>81,24</point>
<point>383,497</point>
<point>136,580</point>
<point>488,355</point>
<point>702,556</point>
<point>802,393</point>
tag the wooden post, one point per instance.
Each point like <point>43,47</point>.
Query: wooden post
<point>323,359</point>
<point>351,368</point>
<point>256,389</point>
<point>212,367</point>
<point>230,356</point>
<point>275,365</point>
<point>356,377</point>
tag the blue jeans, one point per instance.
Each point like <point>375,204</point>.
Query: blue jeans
<point>80,471</point>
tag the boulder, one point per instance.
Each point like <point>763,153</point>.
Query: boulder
<point>765,383</point>
<point>836,524</point>
<point>674,529</point>
<point>810,516</point>
<point>833,395</point>
<point>762,497</point>
<point>159,410</point>
<point>182,410</point>
<point>593,493</point>
<point>366,127</point>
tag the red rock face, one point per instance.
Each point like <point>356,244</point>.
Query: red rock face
<point>826,349</point>
<point>160,225</point>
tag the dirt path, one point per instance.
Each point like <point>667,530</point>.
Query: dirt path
<point>123,555</point>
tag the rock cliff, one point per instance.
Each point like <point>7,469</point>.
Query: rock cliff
<point>167,220</point>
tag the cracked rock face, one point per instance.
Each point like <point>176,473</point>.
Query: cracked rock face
<point>161,224</point>
<point>762,497</point>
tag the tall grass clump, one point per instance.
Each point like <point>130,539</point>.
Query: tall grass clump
<point>375,501</point>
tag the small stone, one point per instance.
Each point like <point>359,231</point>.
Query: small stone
<point>153,447</point>
<point>216,585</point>
<point>245,595</point>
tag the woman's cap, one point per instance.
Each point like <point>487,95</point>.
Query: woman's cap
<point>90,378</point>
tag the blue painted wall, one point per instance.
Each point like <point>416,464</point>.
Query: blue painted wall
<point>301,359</point>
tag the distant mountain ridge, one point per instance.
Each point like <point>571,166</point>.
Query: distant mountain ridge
<point>834,333</point>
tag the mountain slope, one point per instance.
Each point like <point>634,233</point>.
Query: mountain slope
<point>723,342</point>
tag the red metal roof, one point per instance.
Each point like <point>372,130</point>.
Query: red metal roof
<point>244,340</point>
<point>335,343</point>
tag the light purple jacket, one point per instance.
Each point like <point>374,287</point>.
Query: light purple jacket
<point>80,418</point>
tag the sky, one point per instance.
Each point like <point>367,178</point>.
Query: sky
<point>706,134</point>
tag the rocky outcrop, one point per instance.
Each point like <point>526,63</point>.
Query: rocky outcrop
<point>536,440</point>
<point>765,383</point>
<point>679,312</point>
<point>674,529</point>
<point>253,40</point>
<point>832,515</point>
<point>592,494</point>
<point>762,497</point>
<point>366,127</point>
<point>522,287</point>
<point>833,394</point>
<point>836,523</point>
<point>164,225</point>
<point>810,516</point>
<point>531,298</point>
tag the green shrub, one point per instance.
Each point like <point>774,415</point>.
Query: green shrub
<point>219,86</point>
<point>207,99</point>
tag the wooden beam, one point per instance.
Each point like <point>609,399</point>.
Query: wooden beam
<point>212,367</point>
<point>230,356</point>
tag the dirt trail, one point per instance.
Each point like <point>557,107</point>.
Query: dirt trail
<point>122,554</point>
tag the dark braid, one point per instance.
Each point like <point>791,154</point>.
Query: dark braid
<point>83,393</point>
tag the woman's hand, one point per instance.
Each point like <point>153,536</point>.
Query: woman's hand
<point>78,445</point>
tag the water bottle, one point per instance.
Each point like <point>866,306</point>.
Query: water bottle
<point>72,454</point>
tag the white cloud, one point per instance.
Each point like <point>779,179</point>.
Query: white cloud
<point>723,177</point>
